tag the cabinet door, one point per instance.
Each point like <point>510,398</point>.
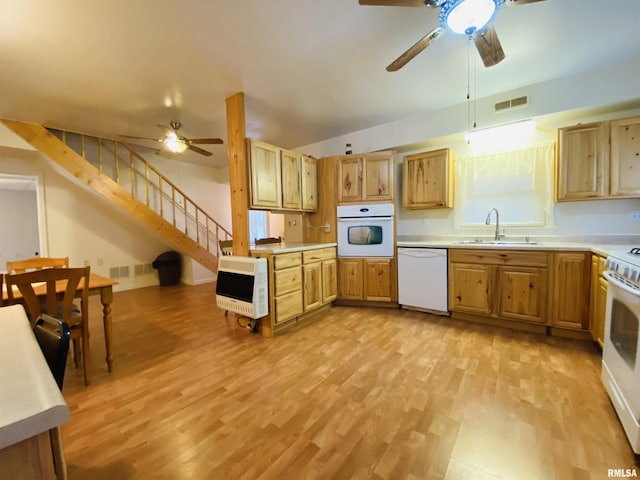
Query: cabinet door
<point>266,188</point>
<point>287,306</point>
<point>571,282</point>
<point>601,310</point>
<point>378,176</point>
<point>350,179</point>
<point>291,171</point>
<point>426,181</point>
<point>470,288</point>
<point>351,284</point>
<point>522,293</point>
<point>583,160</point>
<point>378,279</point>
<point>625,157</point>
<point>312,284</point>
<point>309,181</point>
<point>329,281</point>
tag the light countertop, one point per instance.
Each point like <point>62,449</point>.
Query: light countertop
<point>599,245</point>
<point>288,247</point>
<point>31,402</point>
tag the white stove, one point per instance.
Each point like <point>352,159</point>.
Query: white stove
<point>625,267</point>
<point>621,349</point>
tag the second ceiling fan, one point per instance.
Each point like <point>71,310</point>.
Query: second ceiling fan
<point>467,17</point>
<point>176,143</point>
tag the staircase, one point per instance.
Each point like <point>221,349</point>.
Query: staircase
<point>121,175</point>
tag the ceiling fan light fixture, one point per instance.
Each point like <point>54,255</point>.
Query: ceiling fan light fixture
<point>174,143</point>
<point>467,16</point>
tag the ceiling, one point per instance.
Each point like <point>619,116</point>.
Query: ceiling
<point>310,69</point>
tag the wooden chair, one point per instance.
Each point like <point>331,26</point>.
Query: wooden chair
<point>267,240</point>
<point>226,247</point>
<point>36,263</point>
<point>51,291</point>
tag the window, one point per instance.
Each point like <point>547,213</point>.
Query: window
<point>257,224</point>
<point>518,183</point>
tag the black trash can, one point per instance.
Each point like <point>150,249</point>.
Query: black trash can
<point>169,266</point>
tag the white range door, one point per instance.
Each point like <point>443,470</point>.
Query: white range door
<point>422,279</point>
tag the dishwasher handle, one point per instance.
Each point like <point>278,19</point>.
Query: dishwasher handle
<point>422,252</point>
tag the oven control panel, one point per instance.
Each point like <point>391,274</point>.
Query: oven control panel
<point>624,268</point>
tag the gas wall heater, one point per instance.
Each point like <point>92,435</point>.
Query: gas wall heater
<point>242,286</point>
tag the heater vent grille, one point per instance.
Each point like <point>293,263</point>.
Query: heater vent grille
<point>511,103</point>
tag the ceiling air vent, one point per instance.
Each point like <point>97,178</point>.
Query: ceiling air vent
<point>512,103</point>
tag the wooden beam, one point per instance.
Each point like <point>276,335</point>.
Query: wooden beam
<point>238,173</point>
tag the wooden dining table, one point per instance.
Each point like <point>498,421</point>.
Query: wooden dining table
<point>98,285</point>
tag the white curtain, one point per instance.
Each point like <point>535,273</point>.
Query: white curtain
<point>518,183</point>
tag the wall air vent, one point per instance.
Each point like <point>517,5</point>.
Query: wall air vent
<point>511,103</point>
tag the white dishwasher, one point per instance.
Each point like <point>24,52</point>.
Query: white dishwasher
<point>422,279</point>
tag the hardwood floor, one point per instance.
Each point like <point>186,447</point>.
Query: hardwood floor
<point>355,393</point>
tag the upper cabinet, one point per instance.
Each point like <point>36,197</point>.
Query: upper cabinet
<point>427,180</point>
<point>625,157</point>
<point>366,178</point>
<point>281,180</point>
<point>266,181</point>
<point>599,160</point>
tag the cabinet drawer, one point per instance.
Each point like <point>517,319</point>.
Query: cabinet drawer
<point>286,260</point>
<point>498,257</point>
<point>310,256</point>
<point>287,280</point>
<point>288,306</point>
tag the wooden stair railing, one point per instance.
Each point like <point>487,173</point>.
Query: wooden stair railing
<point>116,171</point>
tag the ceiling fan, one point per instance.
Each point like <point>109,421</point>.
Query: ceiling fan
<point>173,142</point>
<point>466,17</point>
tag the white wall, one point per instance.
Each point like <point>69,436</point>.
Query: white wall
<point>81,225</point>
<point>597,95</point>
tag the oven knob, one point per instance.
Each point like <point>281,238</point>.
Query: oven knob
<point>626,272</point>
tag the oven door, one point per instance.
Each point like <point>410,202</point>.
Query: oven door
<point>621,343</point>
<point>365,237</point>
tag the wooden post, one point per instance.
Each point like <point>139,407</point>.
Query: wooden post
<point>238,160</point>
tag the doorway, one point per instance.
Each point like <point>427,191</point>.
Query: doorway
<point>20,235</point>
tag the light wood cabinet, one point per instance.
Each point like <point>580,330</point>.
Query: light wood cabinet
<point>368,279</point>
<point>319,268</point>
<point>366,178</point>
<point>625,157</point>
<point>299,282</point>
<point>599,160</point>
<point>291,176</point>
<point>309,184</point>
<point>281,180</point>
<point>569,305</point>
<point>427,180</point>
<point>598,299</point>
<point>506,285</point>
<point>266,180</point>
<point>287,285</point>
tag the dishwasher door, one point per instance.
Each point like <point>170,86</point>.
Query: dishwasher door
<point>422,279</point>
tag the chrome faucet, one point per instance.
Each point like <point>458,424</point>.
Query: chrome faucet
<point>498,235</point>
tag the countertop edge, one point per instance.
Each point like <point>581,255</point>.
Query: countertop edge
<point>275,248</point>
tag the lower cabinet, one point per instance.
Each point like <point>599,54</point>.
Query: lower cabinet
<point>368,279</point>
<point>299,283</point>
<point>551,289</point>
<point>598,299</point>
<point>499,284</point>
<point>569,307</point>
<point>319,277</point>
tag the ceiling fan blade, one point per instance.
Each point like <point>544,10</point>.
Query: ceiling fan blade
<point>394,3</point>
<point>210,141</point>
<point>488,46</point>
<point>515,3</point>
<point>199,150</point>
<point>418,47</point>
<point>139,138</point>
<point>164,127</point>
